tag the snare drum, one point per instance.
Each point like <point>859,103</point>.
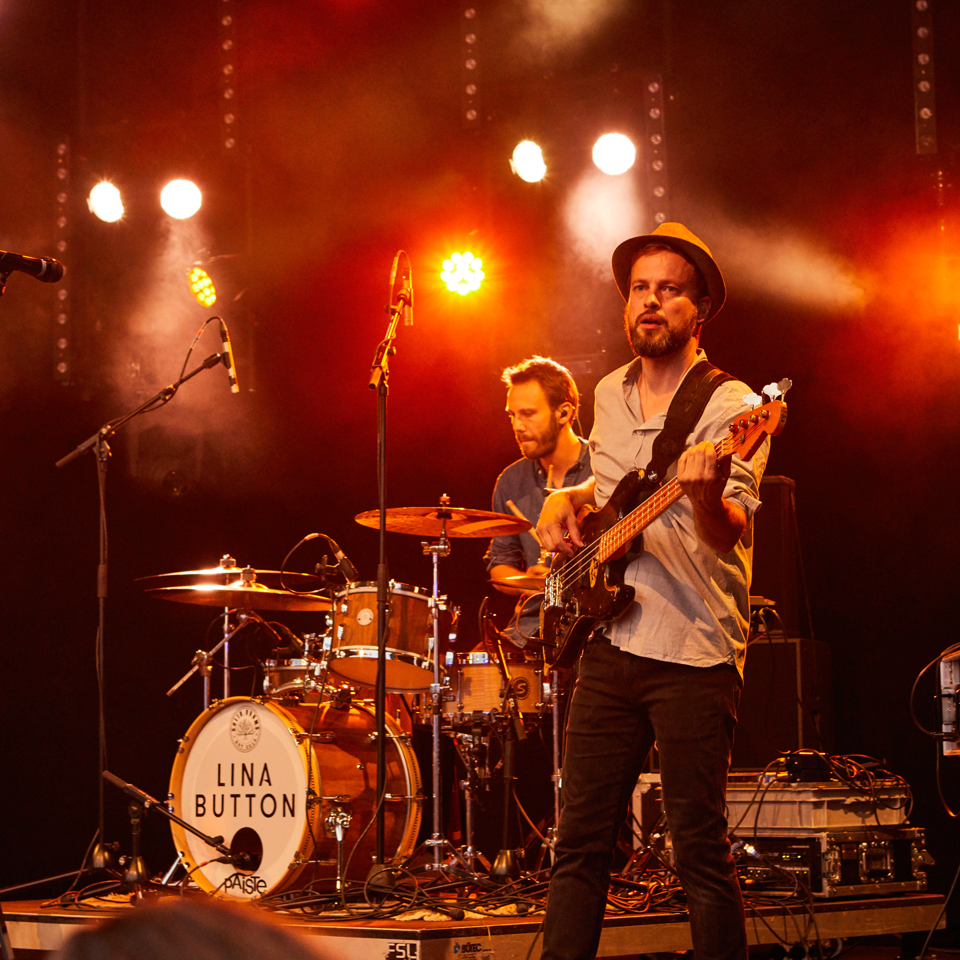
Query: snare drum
<point>277,782</point>
<point>291,678</point>
<point>409,646</point>
<point>478,686</point>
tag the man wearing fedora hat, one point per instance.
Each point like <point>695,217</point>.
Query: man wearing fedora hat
<point>668,671</point>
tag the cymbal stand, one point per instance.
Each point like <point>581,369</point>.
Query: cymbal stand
<point>440,548</point>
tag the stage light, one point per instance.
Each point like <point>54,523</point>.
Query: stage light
<point>202,287</point>
<point>105,202</point>
<point>180,199</point>
<point>614,154</point>
<point>462,273</point>
<point>527,162</point>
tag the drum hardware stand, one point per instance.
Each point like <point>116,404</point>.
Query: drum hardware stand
<point>557,776</point>
<point>102,857</point>
<point>440,548</point>
<point>136,876</point>
<point>437,841</point>
<point>505,867</point>
<point>202,660</point>
<point>339,821</point>
<point>469,786</point>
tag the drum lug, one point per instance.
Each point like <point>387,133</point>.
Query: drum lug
<point>320,736</point>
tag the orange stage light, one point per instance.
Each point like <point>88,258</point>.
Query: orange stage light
<point>202,287</point>
<point>462,273</point>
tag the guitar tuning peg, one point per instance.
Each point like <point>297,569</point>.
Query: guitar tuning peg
<point>752,400</point>
<point>778,390</point>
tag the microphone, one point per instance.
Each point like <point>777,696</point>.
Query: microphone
<point>228,360</point>
<point>393,271</point>
<point>405,296</point>
<point>349,570</point>
<point>45,269</point>
<point>244,860</point>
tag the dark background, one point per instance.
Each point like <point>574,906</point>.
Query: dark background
<point>791,150</point>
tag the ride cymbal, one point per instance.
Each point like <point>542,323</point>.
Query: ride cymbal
<point>459,522</point>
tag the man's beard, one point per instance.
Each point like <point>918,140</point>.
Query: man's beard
<point>662,343</point>
<point>547,443</point>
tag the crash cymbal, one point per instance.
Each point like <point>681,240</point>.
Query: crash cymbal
<point>460,522</point>
<point>245,597</point>
<point>536,584</point>
<point>228,575</point>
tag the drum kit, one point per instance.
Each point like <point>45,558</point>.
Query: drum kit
<point>287,780</point>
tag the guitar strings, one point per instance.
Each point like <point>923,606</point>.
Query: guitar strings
<point>632,524</point>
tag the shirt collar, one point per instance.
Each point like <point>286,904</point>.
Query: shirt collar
<point>631,373</point>
<point>581,460</point>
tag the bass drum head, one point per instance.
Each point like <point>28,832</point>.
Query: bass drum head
<point>243,772</point>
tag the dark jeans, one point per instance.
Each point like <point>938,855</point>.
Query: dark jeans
<point>621,705</point>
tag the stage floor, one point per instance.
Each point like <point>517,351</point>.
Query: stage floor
<point>34,930</point>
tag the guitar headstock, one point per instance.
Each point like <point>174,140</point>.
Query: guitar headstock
<point>748,431</point>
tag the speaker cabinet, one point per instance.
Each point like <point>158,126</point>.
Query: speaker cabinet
<point>787,700</point>
<point>777,564</point>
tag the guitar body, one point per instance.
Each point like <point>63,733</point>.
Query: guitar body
<point>597,592</point>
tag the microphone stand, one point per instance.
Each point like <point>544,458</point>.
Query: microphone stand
<point>102,857</point>
<point>144,802</point>
<point>380,381</point>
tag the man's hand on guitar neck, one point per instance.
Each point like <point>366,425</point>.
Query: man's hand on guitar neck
<point>720,523</point>
<point>558,528</point>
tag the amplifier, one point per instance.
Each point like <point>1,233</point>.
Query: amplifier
<point>832,863</point>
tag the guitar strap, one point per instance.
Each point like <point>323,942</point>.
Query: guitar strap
<point>684,412</point>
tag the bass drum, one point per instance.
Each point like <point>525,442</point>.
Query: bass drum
<point>245,770</point>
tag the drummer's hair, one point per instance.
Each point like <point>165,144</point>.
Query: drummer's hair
<point>189,930</point>
<point>555,380</point>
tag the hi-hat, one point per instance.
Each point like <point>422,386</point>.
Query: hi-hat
<point>242,596</point>
<point>454,521</point>
<point>228,575</point>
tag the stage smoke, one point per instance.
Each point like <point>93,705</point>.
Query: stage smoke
<point>556,26</point>
<point>771,260</point>
<point>599,213</point>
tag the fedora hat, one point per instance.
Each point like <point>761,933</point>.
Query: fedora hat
<point>674,235</point>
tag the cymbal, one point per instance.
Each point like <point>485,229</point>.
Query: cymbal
<point>237,595</point>
<point>536,584</point>
<point>460,522</point>
<point>228,575</point>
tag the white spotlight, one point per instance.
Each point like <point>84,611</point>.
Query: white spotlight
<point>527,162</point>
<point>104,202</point>
<point>614,154</point>
<point>180,199</point>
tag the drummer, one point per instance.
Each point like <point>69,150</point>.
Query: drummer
<point>543,405</point>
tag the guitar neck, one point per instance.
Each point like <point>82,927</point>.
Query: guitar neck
<point>620,534</point>
<point>635,522</point>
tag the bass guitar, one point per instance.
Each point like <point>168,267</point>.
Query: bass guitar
<point>587,588</point>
